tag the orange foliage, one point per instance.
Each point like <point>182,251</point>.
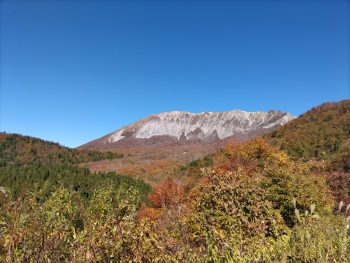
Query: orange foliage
<point>149,213</point>
<point>167,195</point>
<point>248,154</point>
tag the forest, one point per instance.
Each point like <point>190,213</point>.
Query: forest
<point>322,133</point>
<point>30,163</point>
<point>283,197</point>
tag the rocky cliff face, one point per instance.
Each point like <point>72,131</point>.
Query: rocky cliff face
<point>185,127</point>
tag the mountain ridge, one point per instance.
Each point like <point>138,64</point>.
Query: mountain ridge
<point>176,127</point>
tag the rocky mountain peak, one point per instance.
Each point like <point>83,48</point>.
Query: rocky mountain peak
<point>204,126</point>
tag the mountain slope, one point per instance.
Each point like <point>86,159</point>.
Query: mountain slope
<point>322,133</point>
<point>28,164</point>
<point>183,127</point>
<point>15,148</point>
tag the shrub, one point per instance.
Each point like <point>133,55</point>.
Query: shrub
<point>233,217</point>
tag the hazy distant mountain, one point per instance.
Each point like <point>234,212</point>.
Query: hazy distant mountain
<point>179,127</point>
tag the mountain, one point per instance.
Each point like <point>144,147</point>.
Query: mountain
<point>179,127</point>
<point>322,133</point>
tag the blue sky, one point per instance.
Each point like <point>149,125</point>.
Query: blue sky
<point>72,71</point>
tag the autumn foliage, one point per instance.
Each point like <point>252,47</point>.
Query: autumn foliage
<point>249,202</point>
<point>166,195</point>
<point>322,133</point>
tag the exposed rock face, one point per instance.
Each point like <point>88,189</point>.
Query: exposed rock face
<point>185,127</point>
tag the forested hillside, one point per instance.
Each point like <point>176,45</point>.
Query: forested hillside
<point>31,164</point>
<point>322,133</point>
<point>15,148</point>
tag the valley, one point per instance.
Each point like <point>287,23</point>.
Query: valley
<point>154,164</point>
<point>155,147</point>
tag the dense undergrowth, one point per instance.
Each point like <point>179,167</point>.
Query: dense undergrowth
<point>251,203</point>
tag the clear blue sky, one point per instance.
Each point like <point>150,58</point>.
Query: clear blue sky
<point>72,71</point>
